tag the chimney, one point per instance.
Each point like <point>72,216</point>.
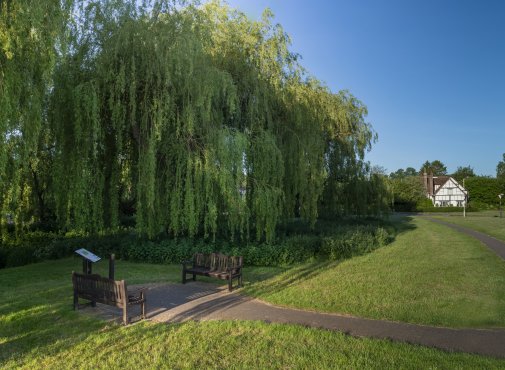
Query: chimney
<point>425,181</point>
<point>430,182</point>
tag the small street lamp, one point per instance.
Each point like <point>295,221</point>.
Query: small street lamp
<point>466,198</point>
<point>500,196</point>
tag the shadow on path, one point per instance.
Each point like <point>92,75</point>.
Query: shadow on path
<point>201,301</point>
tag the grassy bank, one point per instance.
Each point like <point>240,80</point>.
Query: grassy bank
<point>38,329</point>
<point>429,275</point>
<point>486,222</point>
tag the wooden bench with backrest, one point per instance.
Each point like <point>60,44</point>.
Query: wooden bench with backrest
<point>107,291</point>
<point>214,265</point>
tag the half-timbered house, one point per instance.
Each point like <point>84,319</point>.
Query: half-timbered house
<point>444,191</point>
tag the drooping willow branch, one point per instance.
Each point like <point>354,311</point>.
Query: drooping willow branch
<point>204,120</point>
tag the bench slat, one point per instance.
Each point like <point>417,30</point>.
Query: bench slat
<point>215,265</point>
<point>107,291</point>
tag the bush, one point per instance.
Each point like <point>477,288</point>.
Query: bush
<point>38,246</point>
<point>327,239</point>
<point>484,190</point>
<point>355,242</point>
<point>446,209</point>
<point>21,251</point>
<point>294,249</point>
<point>480,206</point>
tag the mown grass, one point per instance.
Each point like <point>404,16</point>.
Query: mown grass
<point>429,275</point>
<point>39,330</point>
<point>486,222</point>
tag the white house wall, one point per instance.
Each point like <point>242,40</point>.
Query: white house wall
<point>450,194</point>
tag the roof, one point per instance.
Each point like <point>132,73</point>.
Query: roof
<point>441,180</point>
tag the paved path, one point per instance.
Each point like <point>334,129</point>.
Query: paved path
<point>494,244</point>
<point>201,301</point>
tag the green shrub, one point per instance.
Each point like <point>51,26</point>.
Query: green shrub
<point>21,251</point>
<point>38,246</point>
<point>355,242</point>
<point>446,209</point>
<point>424,203</point>
<point>484,191</point>
<point>481,206</point>
<point>328,239</point>
<point>298,248</point>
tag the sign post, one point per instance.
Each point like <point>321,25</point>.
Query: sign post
<point>112,260</point>
<point>87,259</point>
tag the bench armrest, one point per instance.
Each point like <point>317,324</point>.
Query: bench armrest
<point>136,295</point>
<point>137,291</point>
<point>187,262</point>
<point>238,268</point>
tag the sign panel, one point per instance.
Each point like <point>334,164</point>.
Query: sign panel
<point>88,255</point>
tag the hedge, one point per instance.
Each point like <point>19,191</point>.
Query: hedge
<point>339,241</point>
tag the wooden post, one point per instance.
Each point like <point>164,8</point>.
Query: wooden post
<point>76,296</point>
<point>143,307</point>
<point>86,266</point>
<point>124,297</point>
<point>112,261</point>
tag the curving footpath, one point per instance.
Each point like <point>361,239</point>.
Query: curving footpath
<point>494,244</point>
<point>201,301</point>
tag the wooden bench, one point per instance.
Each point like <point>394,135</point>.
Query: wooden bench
<point>214,265</point>
<point>107,291</point>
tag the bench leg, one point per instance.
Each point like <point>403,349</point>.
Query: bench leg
<point>125,314</point>
<point>230,283</point>
<point>194,277</point>
<point>143,305</point>
<point>184,276</point>
<point>76,301</point>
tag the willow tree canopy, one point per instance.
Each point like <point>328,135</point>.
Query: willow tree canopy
<point>200,118</point>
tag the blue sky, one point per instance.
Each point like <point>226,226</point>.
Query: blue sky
<point>431,72</point>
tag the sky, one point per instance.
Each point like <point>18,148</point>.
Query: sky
<point>431,72</point>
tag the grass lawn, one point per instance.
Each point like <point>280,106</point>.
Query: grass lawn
<point>486,222</point>
<point>429,275</point>
<point>39,329</point>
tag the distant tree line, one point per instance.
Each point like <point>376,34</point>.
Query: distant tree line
<point>408,192</point>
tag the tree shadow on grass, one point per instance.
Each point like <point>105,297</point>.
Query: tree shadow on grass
<point>43,325</point>
<point>287,278</point>
<point>282,279</point>
<point>401,223</point>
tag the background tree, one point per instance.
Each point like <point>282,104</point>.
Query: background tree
<point>500,168</point>
<point>400,173</point>
<point>410,171</point>
<point>407,192</point>
<point>462,173</point>
<point>436,167</point>
<point>500,174</point>
<point>483,191</point>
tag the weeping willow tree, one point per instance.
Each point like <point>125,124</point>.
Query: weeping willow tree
<point>31,38</point>
<point>196,119</point>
